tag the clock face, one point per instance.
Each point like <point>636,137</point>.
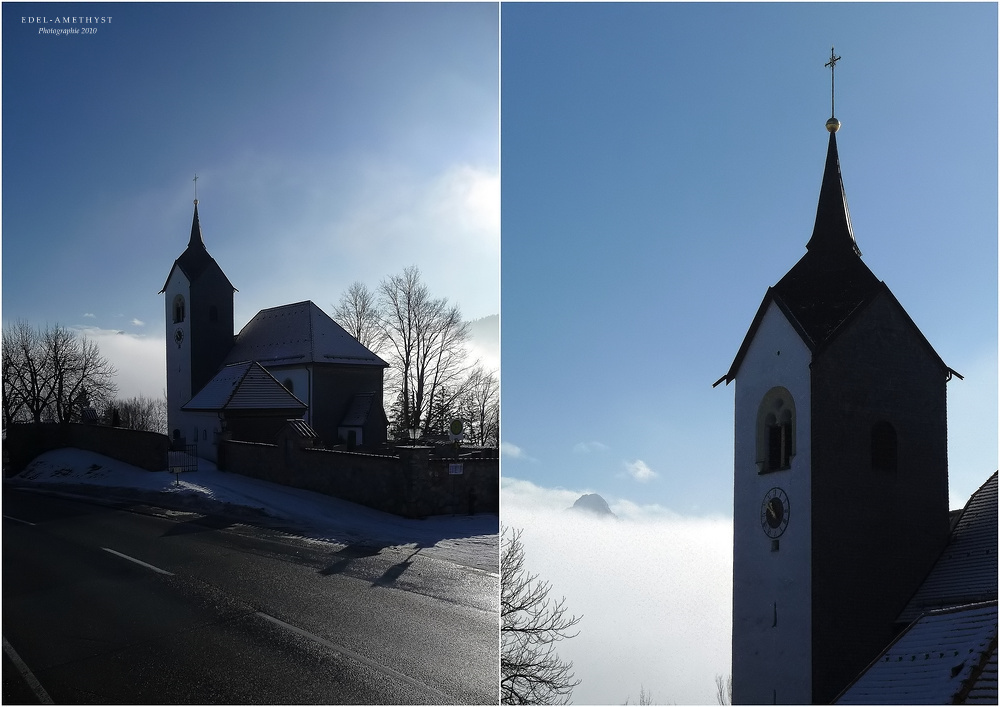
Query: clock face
<point>179,336</point>
<point>774,512</point>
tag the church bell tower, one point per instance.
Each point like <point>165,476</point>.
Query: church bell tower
<point>198,318</point>
<point>841,468</point>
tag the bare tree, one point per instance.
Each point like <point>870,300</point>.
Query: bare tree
<point>139,413</point>
<point>80,375</point>
<point>357,311</point>
<point>480,408</point>
<point>22,374</point>
<point>424,340</point>
<point>530,625</point>
<point>51,374</point>
<point>645,696</point>
<point>724,690</point>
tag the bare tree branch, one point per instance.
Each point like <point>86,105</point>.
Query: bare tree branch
<point>51,374</point>
<point>724,690</point>
<point>357,311</point>
<point>530,625</point>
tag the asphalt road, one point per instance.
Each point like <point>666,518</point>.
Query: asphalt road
<point>105,604</point>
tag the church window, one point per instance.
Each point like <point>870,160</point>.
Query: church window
<point>178,309</point>
<point>776,431</point>
<point>884,447</point>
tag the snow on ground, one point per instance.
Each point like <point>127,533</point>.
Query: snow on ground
<point>466,540</point>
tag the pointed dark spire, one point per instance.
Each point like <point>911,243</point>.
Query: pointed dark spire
<point>832,232</point>
<point>196,239</point>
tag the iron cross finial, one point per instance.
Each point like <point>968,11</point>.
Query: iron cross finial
<point>833,66</point>
<point>195,180</point>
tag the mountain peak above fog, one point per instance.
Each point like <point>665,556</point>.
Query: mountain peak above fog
<point>593,503</point>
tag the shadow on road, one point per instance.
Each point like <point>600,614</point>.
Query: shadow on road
<point>345,556</point>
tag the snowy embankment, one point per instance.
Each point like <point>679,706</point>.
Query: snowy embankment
<point>466,540</point>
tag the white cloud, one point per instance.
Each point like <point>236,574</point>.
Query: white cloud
<point>640,471</point>
<point>588,447</point>
<point>447,224</point>
<point>139,360</point>
<point>138,322</point>
<point>90,315</point>
<point>484,342</point>
<point>511,450</point>
<point>654,589</point>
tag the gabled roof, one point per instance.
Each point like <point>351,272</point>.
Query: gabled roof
<point>942,658</point>
<point>966,570</point>
<point>195,260</point>
<point>297,334</point>
<point>357,412</point>
<point>244,386</point>
<point>830,283</point>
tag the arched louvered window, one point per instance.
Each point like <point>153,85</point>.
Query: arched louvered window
<point>775,430</point>
<point>178,309</point>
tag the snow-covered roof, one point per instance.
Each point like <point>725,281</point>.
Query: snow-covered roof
<point>966,571</point>
<point>983,690</point>
<point>942,658</point>
<point>297,334</point>
<point>244,386</point>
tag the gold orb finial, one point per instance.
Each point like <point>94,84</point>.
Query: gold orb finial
<point>833,125</point>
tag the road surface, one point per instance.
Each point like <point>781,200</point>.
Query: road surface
<point>106,604</point>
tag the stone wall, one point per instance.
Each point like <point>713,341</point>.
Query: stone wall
<point>411,483</point>
<point>24,442</point>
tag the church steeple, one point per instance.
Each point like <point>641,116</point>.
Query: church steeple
<point>196,239</point>
<point>196,260</point>
<point>198,319</point>
<point>840,467</point>
<point>832,231</point>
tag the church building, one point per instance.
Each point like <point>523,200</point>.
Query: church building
<point>841,468</point>
<point>291,362</point>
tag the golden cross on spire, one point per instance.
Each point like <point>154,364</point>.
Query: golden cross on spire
<point>833,66</point>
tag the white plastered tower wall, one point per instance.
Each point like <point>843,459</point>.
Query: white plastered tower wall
<point>772,598</point>
<point>192,427</point>
<point>178,352</point>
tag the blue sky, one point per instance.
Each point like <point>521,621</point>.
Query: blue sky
<point>661,168</point>
<point>333,143</point>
